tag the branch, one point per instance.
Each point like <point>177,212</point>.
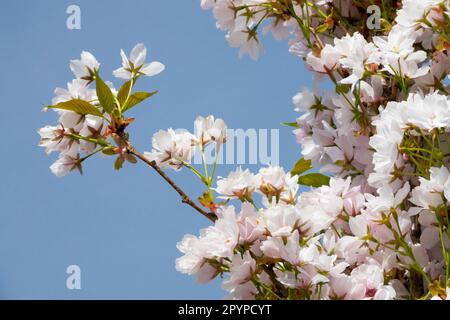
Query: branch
<point>273,277</point>
<point>184,197</point>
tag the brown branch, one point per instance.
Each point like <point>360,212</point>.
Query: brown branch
<point>184,197</point>
<point>273,278</point>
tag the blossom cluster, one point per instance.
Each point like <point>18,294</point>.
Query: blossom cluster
<point>328,243</point>
<point>379,228</point>
<point>374,223</point>
<point>62,137</point>
<point>88,116</point>
<point>175,149</point>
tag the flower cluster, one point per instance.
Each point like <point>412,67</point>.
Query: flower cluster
<point>379,229</point>
<point>375,222</point>
<point>63,137</point>
<point>303,250</point>
<point>175,149</point>
<point>88,117</point>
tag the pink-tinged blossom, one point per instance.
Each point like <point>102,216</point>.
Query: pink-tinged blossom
<point>193,258</point>
<point>277,248</point>
<point>242,268</point>
<point>274,183</point>
<point>430,192</point>
<point>135,64</point>
<point>251,225</point>
<point>424,112</point>
<point>366,282</point>
<point>246,40</point>
<point>304,100</point>
<point>210,130</point>
<point>172,149</point>
<point>85,68</point>
<point>281,219</point>
<point>239,184</point>
<point>65,164</point>
<point>412,11</point>
<point>319,208</point>
<point>398,55</point>
<point>53,139</point>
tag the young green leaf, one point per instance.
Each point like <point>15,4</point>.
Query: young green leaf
<point>119,163</point>
<point>137,98</point>
<point>301,166</point>
<point>104,94</point>
<point>109,151</point>
<point>290,124</point>
<point>314,180</point>
<point>78,106</point>
<point>122,95</point>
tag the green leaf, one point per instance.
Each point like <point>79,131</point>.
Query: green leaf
<point>290,124</point>
<point>137,98</point>
<point>109,151</point>
<point>301,166</point>
<point>78,106</point>
<point>104,94</point>
<point>119,163</point>
<point>124,91</point>
<point>314,180</point>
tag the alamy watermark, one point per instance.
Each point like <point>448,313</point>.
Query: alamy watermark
<point>73,281</point>
<point>73,21</point>
<point>374,18</point>
<point>244,147</point>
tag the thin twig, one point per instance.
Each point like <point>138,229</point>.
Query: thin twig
<point>184,197</point>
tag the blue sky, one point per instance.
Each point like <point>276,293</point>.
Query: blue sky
<point>121,228</point>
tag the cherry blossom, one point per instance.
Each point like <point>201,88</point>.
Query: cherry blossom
<point>85,68</point>
<point>363,214</point>
<point>135,64</point>
<point>172,149</point>
<point>239,184</point>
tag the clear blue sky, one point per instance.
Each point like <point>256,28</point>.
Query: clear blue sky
<point>121,228</point>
